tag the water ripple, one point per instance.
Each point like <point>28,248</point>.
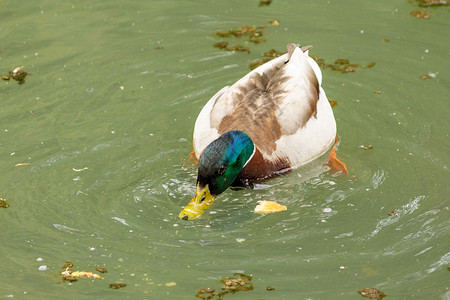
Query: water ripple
<point>406,209</point>
<point>378,178</point>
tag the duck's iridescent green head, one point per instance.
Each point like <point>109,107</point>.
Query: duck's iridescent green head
<point>219,165</point>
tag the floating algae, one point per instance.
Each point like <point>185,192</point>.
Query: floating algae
<point>428,3</point>
<point>101,270</point>
<point>372,293</point>
<point>73,275</point>
<point>17,74</point>
<point>117,285</point>
<point>245,30</point>
<point>239,283</point>
<point>341,64</point>
<point>3,203</point>
<point>267,56</point>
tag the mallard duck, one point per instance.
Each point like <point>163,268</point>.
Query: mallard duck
<point>274,119</point>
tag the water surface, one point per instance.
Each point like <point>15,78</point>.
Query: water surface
<point>105,123</point>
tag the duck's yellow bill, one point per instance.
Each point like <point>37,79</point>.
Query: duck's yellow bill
<point>201,201</point>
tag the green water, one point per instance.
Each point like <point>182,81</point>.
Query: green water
<point>105,124</point>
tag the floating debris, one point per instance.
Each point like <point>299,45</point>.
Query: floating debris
<point>385,40</point>
<point>270,289</point>
<point>70,278</point>
<point>221,45</point>
<point>68,264</point>
<point>79,170</point>
<point>3,203</point>
<point>224,45</point>
<point>159,47</point>
<point>265,207</point>
<point>333,103</point>
<point>70,274</point>
<point>393,213</point>
<point>224,33</point>
<point>342,65</point>
<point>274,53</point>
<point>254,34</point>
<point>372,293</point>
<point>21,164</point>
<point>240,48</point>
<point>319,61</point>
<point>117,285</point>
<point>377,92</point>
<point>420,14</point>
<point>257,40</point>
<point>264,3</point>
<point>171,284</point>
<point>101,270</point>
<point>232,285</point>
<point>428,3</point>
<point>366,147</point>
<point>274,22</point>
<point>205,293</point>
<point>268,56</point>
<point>17,74</point>
<point>236,284</point>
<point>245,30</point>
<point>428,76</point>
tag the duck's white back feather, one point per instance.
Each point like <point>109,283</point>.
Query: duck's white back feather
<point>204,134</point>
<point>307,125</point>
<point>313,140</point>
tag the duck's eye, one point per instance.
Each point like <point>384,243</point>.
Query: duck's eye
<point>203,198</point>
<point>222,169</point>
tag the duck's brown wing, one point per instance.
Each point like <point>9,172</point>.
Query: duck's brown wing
<point>273,100</point>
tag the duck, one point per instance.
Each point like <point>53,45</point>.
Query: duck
<point>273,120</point>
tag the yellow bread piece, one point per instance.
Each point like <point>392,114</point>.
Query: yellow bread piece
<point>265,207</point>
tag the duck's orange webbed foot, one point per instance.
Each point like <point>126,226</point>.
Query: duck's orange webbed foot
<point>192,158</point>
<point>335,165</point>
